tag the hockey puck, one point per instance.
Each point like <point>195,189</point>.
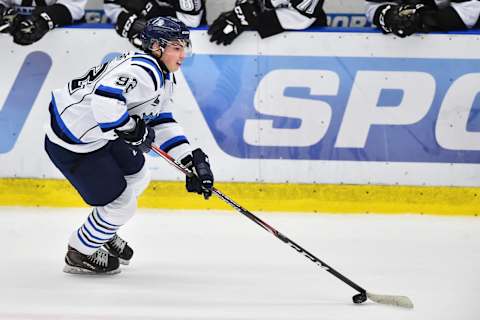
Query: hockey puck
<point>359,298</point>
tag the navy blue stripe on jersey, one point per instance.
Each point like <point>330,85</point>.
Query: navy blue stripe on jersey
<point>59,127</point>
<point>152,64</point>
<point>165,117</point>
<point>107,126</point>
<point>150,73</point>
<point>110,92</point>
<point>173,142</point>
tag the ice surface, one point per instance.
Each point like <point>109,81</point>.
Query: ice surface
<point>220,265</point>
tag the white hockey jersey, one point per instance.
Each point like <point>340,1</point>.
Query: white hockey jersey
<point>76,7</point>
<point>85,113</point>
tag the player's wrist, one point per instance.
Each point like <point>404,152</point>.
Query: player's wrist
<point>129,126</point>
<point>140,136</point>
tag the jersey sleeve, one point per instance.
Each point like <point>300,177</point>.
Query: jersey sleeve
<point>189,12</point>
<point>190,20</point>
<point>112,10</point>
<point>468,11</point>
<point>115,97</point>
<point>371,8</point>
<point>169,135</point>
<point>278,16</point>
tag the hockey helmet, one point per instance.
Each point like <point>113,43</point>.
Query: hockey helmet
<point>165,31</point>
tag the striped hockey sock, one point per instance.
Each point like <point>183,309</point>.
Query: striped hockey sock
<point>93,234</point>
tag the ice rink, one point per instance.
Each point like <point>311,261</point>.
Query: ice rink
<point>220,265</point>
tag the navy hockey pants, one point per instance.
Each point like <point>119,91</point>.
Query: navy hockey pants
<point>98,176</point>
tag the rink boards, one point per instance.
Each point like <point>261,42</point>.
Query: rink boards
<point>330,121</point>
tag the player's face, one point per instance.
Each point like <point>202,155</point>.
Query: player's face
<point>173,56</point>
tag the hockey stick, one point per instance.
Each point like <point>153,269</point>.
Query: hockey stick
<point>401,301</point>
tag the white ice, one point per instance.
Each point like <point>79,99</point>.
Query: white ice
<point>220,265</point>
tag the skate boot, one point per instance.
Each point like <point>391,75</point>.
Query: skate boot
<point>118,247</point>
<point>98,263</point>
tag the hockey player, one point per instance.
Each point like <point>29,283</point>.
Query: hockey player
<point>129,17</point>
<point>267,17</point>
<point>28,22</point>
<point>101,124</point>
<point>406,17</point>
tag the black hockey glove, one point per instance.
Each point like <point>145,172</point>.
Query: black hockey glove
<point>7,15</point>
<point>202,182</point>
<point>27,30</point>
<point>140,137</point>
<point>230,24</point>
<point>402,21</point>
<point>130,26</point>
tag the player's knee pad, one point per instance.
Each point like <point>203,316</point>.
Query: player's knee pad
<point>139,181</point>
<point>121,209</point>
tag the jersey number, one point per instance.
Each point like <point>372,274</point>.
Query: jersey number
<point>129,83</point>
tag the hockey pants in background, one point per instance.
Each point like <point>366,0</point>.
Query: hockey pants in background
<point>110,180</point>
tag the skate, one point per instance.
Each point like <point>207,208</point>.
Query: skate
<point>119,248</point>
<point>98,263</point>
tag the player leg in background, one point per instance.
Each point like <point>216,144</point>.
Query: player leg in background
<point>109,180</point>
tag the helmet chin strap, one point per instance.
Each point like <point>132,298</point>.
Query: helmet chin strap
<point>159,49</point>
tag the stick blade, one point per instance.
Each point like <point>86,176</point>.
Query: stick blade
<point>399,301</point>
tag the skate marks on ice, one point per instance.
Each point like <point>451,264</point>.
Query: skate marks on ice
<point>215,265</point>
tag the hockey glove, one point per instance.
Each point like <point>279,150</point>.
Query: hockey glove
<point>228,26</point>
<point>7,15</point>
<point>202,182</point>
<point>27,30</point>
<point>131,26</point>
<point>402,20</point>
<point>140,137</point>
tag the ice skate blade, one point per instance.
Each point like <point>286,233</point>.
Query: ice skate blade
<point>123,261</point>
<point>77,270</point>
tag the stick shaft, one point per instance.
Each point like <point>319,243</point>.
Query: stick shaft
<point>263,224</point>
